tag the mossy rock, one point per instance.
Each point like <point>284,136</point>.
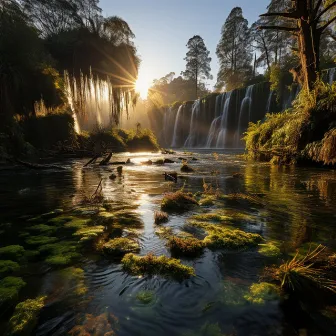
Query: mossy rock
<point>89,233</point>
<point>10,288</point>
<point>269,250</point>
<point>262,292</point>
<point>120,246</point>
<point>58,248</point>
<point>212,217</point>
<point>60,220</point>
<point>160,217</point>
<point>77,223</point>
<point>150,264</point>
<point>178,202</point>
<point>40,240</point>
<point>8,266</point>
<point>62,259</point>
<point>189,247</point>
<point>128,219</point>
<point>186,168</point>
<point>43,229</point>
<point>12,252</point>
<point>145,297</point>
<point>25,316</point>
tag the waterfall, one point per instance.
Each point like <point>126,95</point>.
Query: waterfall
<point>269,102</point>
<point>176,126</point>
<point>246,106</point>
<point>221,139</point>
<point>331,75</point>
<point>193,132</point>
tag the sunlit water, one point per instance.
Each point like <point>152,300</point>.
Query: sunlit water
<point>300,208</point>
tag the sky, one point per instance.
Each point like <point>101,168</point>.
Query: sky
<point>163,28</point>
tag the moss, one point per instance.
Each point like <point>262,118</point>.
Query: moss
<point>25,316</point>
<point>40,240</point>
<point>8,266</point>
<point>224,238</point>
<point>233,294</point>
<point>207,201</point>
<point>77,223</point>
<point>145,297</point>
<point>213,217</point>
<point>60,220</point>
<point>9,288</point>
<point>150,264</point>
<point>178,202</point>
<point>185,246</point>
<point>43,229</point>
<point>89,233</point>
<point>32,255</point>
<point>128,218</point>
<point>58,248</point>
<point>164,232</point>
<point>269,250</point>
<point>12,252</point>
<point>62,259</point>
<point>160,217</point>
<point>262,292</point>
<point>120,246</point>
<point>75,276</point>
<point>46,216</point>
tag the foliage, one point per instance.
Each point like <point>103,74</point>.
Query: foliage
<point>150,264</point>
<point>9,288</point>
<point>25,316</point>
<point>234,52</point>
<point>12,252</point>
<point>142,140</point>
<point>8,266</point>
<point>198,62</point>
<point>120,246</point>
<point>262,292</point>
<point>178,201</point>
<point>185,246</point>
<point>160,217</point>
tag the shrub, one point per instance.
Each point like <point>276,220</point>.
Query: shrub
<point>178,201</point>
<point>25,316</point>
<point>150,264</point>
<point>120,246</point>
<point>12,252</point>
<point>160,217</point>
<point>185,246</point>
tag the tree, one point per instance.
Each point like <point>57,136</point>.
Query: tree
<point>234,51</point>
<point>198,62</point>
<point>307,20</point>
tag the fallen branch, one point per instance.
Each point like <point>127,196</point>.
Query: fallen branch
<point>38,166</point>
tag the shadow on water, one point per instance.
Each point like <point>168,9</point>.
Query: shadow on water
<point>298,208</point>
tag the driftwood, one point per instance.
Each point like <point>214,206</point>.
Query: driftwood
<point>106,160</point>
<point>93,160</point>
<point>38,166</point>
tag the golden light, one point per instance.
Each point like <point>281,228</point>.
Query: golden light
<point>142,85</point>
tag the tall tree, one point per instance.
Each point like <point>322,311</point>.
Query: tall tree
<point>307,20</point>
<point>234,51</point>
<point>198,62</point>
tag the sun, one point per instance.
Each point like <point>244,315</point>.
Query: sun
<point>142,85</point>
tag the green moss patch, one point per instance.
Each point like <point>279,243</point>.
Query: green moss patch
<point>75,276</point>
<point>62,259</point>
<point>145,297</point>
<point>43,229</point>
<point>46,216</point>
<point>269,250</point>
<point>40,240</point>
<point>9,288</point>
<point>25,316</point>
<point>262,292</point>
<point>8,266</point>
<point>150,264</point>
<point>207,201</point>
<point>12,252</point>
<point>185,246</point>
<point>76,223</point>
<point>164,232</point>
<point>89,233</point>
<point>60,220</point>
<point>120,246</point>
<point>127,218</point>
<point>178,202</point>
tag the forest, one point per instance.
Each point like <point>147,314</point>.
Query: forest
<point>167,207</point>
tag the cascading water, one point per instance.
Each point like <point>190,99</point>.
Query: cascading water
<point>221,139</point>
<point>331,73</point>
<point>269,101</point>
<point>178,123</point>
<point>193,132</point>
<point>244,114</point>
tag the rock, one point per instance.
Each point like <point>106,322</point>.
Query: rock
<point>119,170</point>
<point>112,176</point>
<point>168,161</point>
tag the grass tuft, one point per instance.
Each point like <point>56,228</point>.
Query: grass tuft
<point>189,247</point>
<point>178,201</point>
<point>160,217</point>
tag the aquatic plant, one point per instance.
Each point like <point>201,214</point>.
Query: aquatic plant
<point>185,246</point>
<point>128,218</point>
<point>178,201</point>
<point>9,288</point>
<point>62,259</point>
<point>233,294</point>
<point>262,292</point>
<point>120,246</point>
<point>89,233</point>
<point>269,250</point>
<point>76,223</point>
<point>40,240</point>
<point>160,217</point>
<point>43,229</point>
<point>25,316</point>
<point>60,220</point>
<point>145,296</point>
<point>253,199</point>
<point>150,264</point>
<point>212,216</point>
<point>164,232</point>
<point>58,248</point>
<point>76,277</point>
<point>102,325</point>
<point>8,266</point>
<point>12,252</point>
<point>301,274</point>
